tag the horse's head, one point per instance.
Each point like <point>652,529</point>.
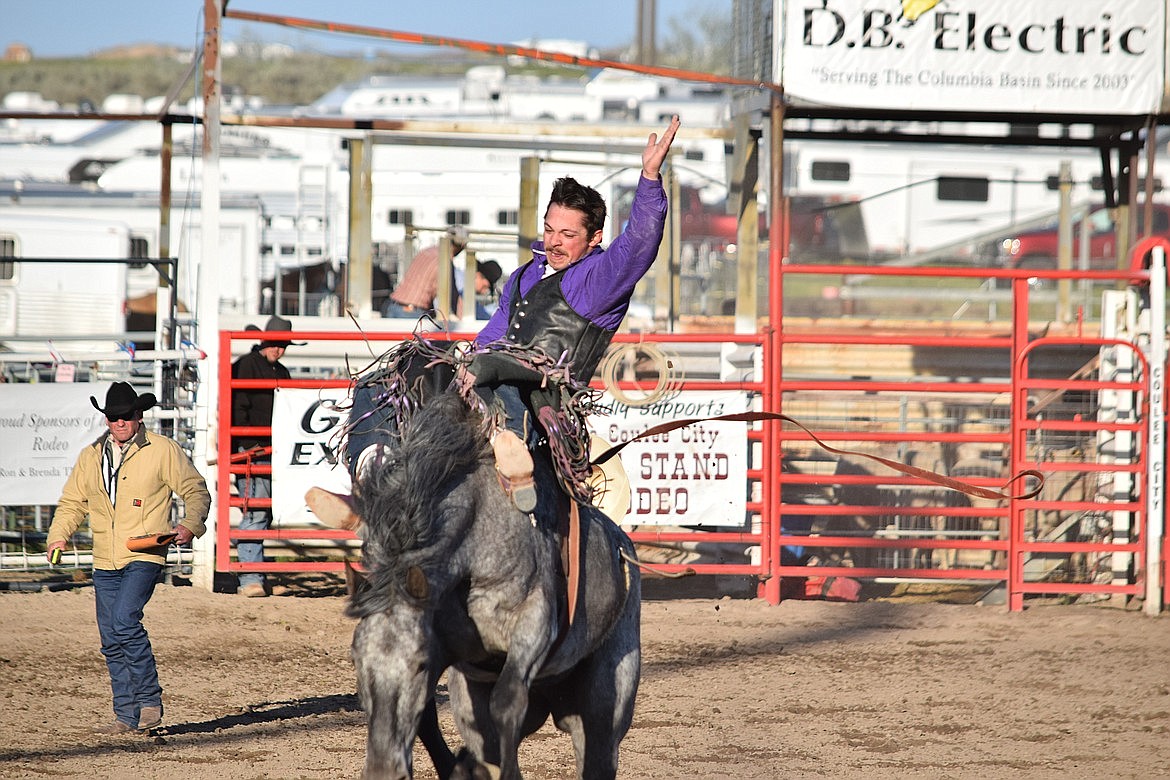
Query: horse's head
<point>417,505</point>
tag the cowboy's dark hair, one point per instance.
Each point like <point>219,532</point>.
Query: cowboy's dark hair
<point>570,194</point>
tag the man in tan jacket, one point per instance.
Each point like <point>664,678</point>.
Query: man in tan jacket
<point>123,483</point>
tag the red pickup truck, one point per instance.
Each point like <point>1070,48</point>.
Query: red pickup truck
<point>1038,248</point>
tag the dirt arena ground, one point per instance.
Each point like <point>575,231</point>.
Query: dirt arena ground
<point>731,688</point>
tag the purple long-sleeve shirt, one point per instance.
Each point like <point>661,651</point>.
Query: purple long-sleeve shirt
<point>599,285</point>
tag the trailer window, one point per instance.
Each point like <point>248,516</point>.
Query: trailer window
<point>400,217</point>
<point>458,217</point>
<point>829,170</point>
<point>507,217</point>
<point>967,188</point>
<point>139,250</point>
<point>7,267</point>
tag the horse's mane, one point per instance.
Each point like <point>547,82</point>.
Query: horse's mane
<point>398,500</point>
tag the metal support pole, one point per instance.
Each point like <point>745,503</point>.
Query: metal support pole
<point>665,267</point>
<point>1064,242</point>
<point>207,298</point>
<point>444,285</point>
<point>747,176</point>
<point>772,525</point>
<point>529,217</point>
<point>1156,447</point>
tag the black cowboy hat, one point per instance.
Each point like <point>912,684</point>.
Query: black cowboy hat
<point>277,323</point>
<point>491,271</point>
<point>121,399</point>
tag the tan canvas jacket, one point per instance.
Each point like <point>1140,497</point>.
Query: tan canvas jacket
<point>153,469</point>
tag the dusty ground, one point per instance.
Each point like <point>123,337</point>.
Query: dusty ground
<point>731,688</point>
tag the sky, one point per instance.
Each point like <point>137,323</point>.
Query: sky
<point>68,28</point>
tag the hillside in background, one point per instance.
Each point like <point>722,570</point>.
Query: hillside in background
<point>702,42</point>
<point>298,79</point>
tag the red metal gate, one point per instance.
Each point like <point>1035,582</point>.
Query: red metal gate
<point>812,514</point>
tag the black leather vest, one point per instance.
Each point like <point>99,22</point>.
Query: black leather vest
<point>544,319</point>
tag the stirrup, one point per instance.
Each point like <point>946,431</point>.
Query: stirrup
<point>522,490</point>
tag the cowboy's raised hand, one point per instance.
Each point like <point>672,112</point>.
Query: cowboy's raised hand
<point>656,149</point>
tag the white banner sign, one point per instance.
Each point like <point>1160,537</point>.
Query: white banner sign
<point>305,430</point>
<point>693,476</point>
<point>44,426</point>
<point>975,55</point>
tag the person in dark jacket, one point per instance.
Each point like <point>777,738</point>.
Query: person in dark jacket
<point>253,407</point>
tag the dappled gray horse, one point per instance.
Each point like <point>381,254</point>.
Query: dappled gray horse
<point>460,580</point>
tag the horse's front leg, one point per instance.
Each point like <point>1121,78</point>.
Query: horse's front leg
<point>532,637</point>
<point>392,663</point>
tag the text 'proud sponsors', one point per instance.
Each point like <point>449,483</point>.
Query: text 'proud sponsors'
<point>45,426</point>
<point>976,55</point>
<point>691,476</point>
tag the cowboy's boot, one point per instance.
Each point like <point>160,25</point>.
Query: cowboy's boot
<point>333,509</point>
<point>514,464</point>
<point>336,509</point>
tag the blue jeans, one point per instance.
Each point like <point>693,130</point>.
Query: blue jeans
<point>252,550</point>
<point>519,419</point>
<point>394,310</point>
<point>371,425</point>
<point>121,595</point>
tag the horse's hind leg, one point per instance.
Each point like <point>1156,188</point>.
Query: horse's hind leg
<point>433,740</point>
<point>471,710</point>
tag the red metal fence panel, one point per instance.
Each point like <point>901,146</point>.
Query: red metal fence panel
<point>979,403</point>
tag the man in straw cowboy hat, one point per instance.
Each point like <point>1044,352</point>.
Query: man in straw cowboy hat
<point>124,483</point>
<point>254,408</point>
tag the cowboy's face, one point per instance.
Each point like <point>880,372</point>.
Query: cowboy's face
<point>123,427</point>
<point>482,285</point>
<point>272,354</point>
<point>566,239</point>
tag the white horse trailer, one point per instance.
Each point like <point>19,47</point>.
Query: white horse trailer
<point>919,197</point>
<point>80,298</point>
<point>58,221</point>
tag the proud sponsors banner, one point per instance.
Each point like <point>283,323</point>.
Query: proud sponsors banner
<point>306,428</point>
<point>975,55</point>
<point>44,426</point>
<point>692,476</point>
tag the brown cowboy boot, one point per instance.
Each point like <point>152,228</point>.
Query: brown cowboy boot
<point>514,464</point>
<point>333,509</point>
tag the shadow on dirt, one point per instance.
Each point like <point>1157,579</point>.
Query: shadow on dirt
<point>267,713</point>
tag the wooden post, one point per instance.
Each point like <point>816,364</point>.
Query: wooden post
<point>360,267</point>
<point>746,180</point>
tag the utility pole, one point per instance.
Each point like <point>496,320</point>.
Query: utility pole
<point>646,33</point>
